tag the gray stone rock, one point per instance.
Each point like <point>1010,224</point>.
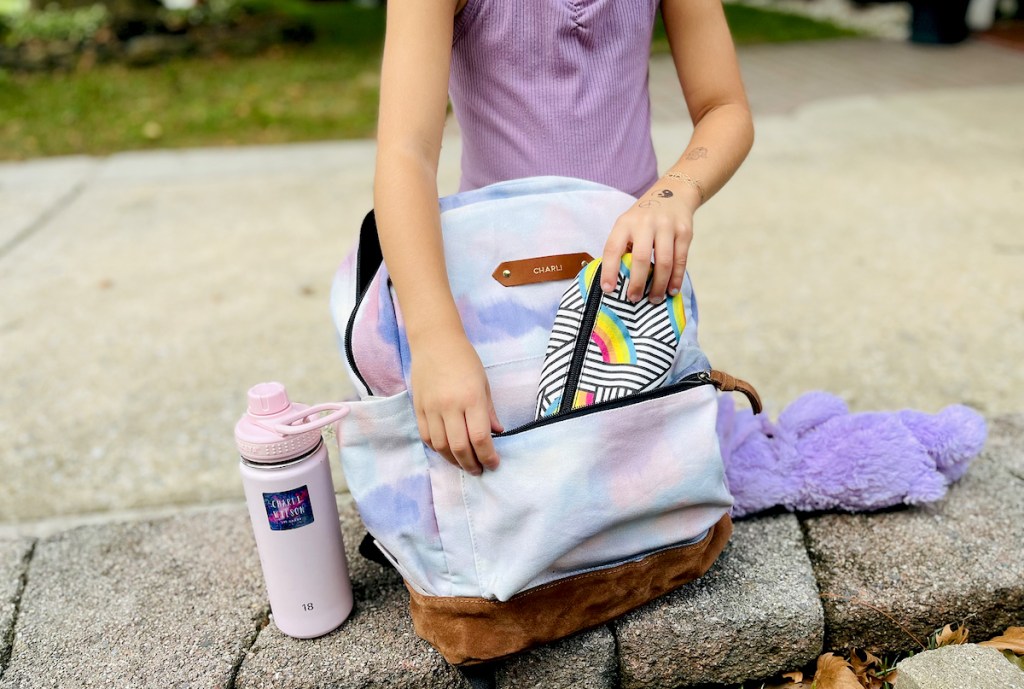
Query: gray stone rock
<point>170,603</point>
<point>14,556</point>
<point>1006,444</point>
<point>34,56</point>
<point>582,661</point>
<point>966,666</point>
<point>755,613</point>
<point>889,577</point>
<point>61,49</point>
<point>151,49</point>
<point>375,647</point>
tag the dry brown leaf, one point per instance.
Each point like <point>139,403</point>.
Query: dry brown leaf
<point>835,673</point>
<point>1010,640</point>
<point>949,636</point>
<point>863,666</point>
<point>793,680</point>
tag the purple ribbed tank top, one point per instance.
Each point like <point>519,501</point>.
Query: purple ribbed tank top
<point>554,87</point>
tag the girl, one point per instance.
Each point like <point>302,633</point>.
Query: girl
<point>540,87</point>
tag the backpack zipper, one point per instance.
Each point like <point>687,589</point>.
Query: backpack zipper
<point>691,381</point>
<point>579,352</point>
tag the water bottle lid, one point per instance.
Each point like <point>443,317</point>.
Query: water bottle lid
<point>275,429</point>
<point>268,398</point>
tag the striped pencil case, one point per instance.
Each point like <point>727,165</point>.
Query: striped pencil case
<point>603,347</point>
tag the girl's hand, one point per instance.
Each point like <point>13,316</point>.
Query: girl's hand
<point>452,399</point>
<point>660,222</point>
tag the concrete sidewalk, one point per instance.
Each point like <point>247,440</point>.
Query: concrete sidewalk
<point>870,246</point>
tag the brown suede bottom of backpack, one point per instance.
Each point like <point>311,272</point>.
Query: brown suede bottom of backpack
<point>468,630</point>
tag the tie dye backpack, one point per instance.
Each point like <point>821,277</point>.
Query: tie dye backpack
<point>594,509</point>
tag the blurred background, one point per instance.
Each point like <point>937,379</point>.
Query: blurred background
<point>180,179</point>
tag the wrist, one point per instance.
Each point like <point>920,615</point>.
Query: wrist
<point>687,186</point>
<point>434,328</point>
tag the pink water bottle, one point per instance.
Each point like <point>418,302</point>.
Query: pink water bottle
<point>288,488</point>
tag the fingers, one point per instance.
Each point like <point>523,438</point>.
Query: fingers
<point>658,226</point>
<point>459,444</point>
<point>613,250</point>
<point>664,251</point>
<point>424,428</point>
<point>438,438</point>
<point>496,425</point>
<point>464,441</point>
<point>663,237</point>
<point>643,244</point>
<point>478,424</point>
<point>679,256</point>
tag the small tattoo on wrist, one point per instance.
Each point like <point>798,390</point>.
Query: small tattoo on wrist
<point>683,177</point>
<point>664,193</point>
<point>648,204</point>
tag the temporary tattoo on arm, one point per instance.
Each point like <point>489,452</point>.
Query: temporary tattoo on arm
<point>683,177</point>
<point>648,204</point>
<point>697,153</point>
<point>664,193</point>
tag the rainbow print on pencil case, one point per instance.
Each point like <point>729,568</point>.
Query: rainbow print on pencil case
<point>585,278</point>
<point>612,337</point>
<point>583,398</point>
<point>677,314</point>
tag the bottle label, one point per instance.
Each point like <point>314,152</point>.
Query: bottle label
<point>288,510</point>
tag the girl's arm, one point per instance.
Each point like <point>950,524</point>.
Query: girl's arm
<point>662,218</point>
<point>453,404</point>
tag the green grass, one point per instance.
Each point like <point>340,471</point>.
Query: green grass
<point>326,90</point>
<point>288,95</point>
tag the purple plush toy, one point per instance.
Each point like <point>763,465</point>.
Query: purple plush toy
<point>819,456</point>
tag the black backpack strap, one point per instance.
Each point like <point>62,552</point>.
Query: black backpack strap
<point>368,260</point>
<point>369,550</point>
<point>369,256</point>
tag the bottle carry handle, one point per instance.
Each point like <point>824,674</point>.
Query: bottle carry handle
<point>285,424</point>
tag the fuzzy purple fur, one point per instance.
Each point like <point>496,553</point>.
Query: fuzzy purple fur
<point>819,456</point>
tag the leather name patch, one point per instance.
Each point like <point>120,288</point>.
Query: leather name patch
<point>528,271</point>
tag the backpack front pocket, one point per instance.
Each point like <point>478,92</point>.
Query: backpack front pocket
<point>388,473</point>
<point>596,486</point>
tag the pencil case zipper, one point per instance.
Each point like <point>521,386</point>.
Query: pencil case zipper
<point>579,352</point>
